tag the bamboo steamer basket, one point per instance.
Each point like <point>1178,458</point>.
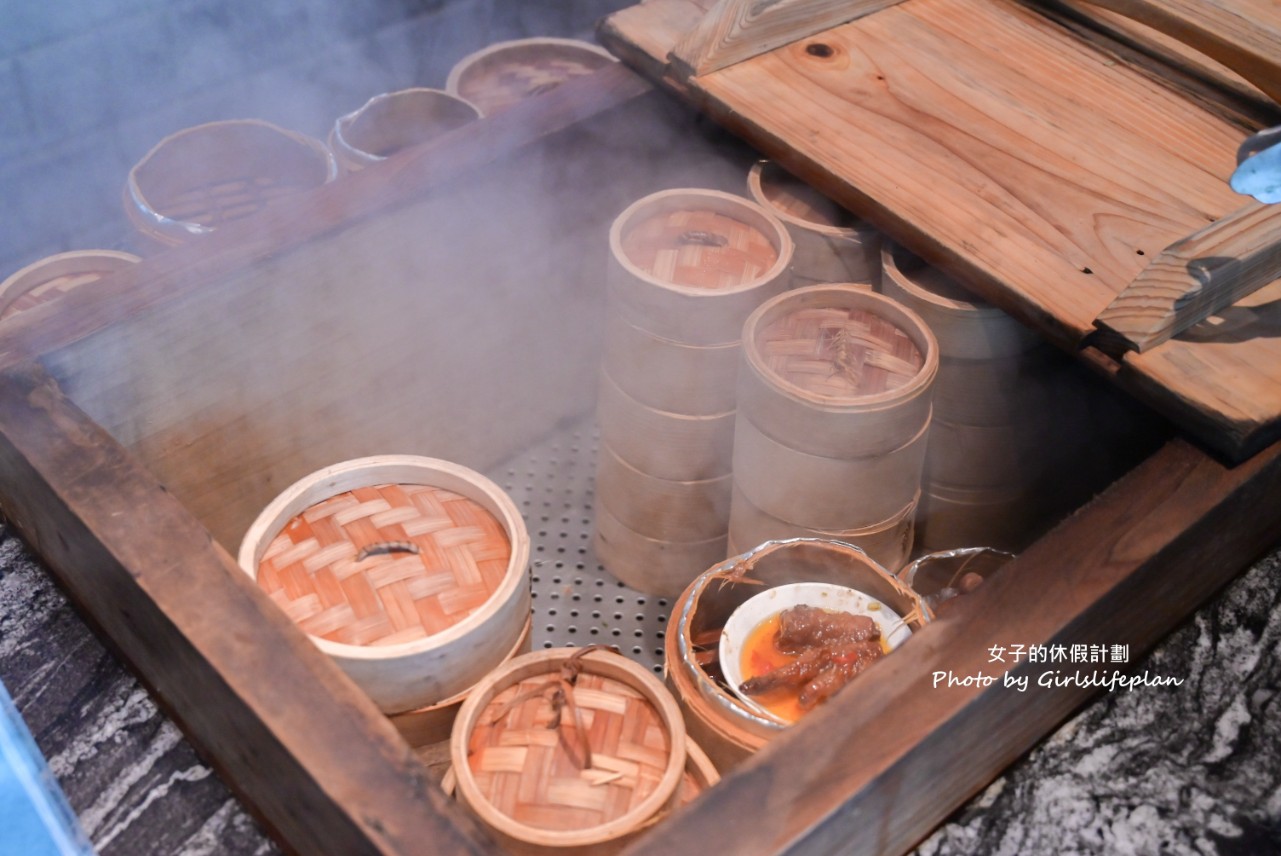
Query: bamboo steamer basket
<point>516,770</point>
<point>199,178</point>
<point>664,509</point>
<point>821,492</point>
<point>698,380</point>
<point>431,725</point>
<point>652,565</point>
<point>411,630</point>
<point>700,774</point>
<point>790,389</point>
<point>996,392</point>
<point>726,728</point>
<point>689,265</point>
<point>506,73</point>
<point>888,543</point>
<point>393,121</point>
<point>1003,517</point>
<point>662,444</point>
<point>45,280</point>
<point>832,245</point>
<point>966,326</point>
<point>981,456</point>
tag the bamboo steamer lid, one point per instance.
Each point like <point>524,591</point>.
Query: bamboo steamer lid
<point>651,565</point>
<point>394,121</point>
<point>837,371</point>
<point>506,73</point>
<point>568,748</point>
<point>409,572</point>
<point>665,445</point>
<point>889,542</point>
<point>46,279</point>
<point>199,178</point>
<point>832,245</point>
<point>967,327</point>
<point>689,265</point>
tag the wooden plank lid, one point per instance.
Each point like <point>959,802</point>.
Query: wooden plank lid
<point>567,747</point>
<point>385,564</point>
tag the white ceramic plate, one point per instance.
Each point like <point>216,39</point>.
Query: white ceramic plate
<point>822,595</point>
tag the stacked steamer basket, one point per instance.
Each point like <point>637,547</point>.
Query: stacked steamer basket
<point>569,750</point>
<point>202,177</point>
<point>394,121</point>
<point>506,73</point>
<point>44,280</point>
<point>833,417</point>
<point>410,572</point>
<point>686,269</point>
<point>832,245</point>
<point>982,461</point>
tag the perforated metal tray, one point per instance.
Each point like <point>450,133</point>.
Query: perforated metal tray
<point>575,600</point>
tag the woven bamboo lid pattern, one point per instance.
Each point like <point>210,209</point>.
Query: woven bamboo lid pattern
<point>700,249</point>
<point>526,767</point>
<point>53,276</point>
<point>839,352</point>
<point>385,564</point>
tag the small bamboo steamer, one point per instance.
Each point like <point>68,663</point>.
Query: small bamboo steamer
<point>199,178</point>
<point>422,628</point>
<point>981,456</point>
<point>664,445</point>
<point>506,73</point>
<point>394,121</point>
<point>1004,518</point>
<point>888,543</point>
<point>995,392</point>
<point>726,728</point>
<point>516,775</point>
<point>821,492</point>
<point>790,389</point>
<point>45,280</point>
<point>667,510</point>
<point>700,774</point>
<point>651,565</point>
<point>431,725</point>
<point>966,326</point>
<point>689,265</point>
<point>832,245</point>
<point>698,380</point>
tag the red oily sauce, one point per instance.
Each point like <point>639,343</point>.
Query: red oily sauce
<point>760,655</point>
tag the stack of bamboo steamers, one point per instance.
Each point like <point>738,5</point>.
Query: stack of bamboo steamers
<point>733,410</point>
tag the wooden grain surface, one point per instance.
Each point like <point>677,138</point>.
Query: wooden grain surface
<point>323,769</point>
<point>1001,147</point>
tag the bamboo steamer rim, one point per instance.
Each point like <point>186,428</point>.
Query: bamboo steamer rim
<point>49,268</point>
<point>343,125</point>
<point>719,202</point>
<point>758,178</point>
<point>843,295</point>
<point>394,469</point>
<point>721,700</point>
<point>602,662</point>
<point>156,224</point>
<point>892,257</point>
<point>571,47</point>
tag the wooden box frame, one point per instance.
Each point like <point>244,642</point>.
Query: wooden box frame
<point>308,753</point>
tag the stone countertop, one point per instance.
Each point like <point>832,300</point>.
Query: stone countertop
<point>1189,769</point>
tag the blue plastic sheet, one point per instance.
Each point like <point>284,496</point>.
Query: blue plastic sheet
<point>35,819</point>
